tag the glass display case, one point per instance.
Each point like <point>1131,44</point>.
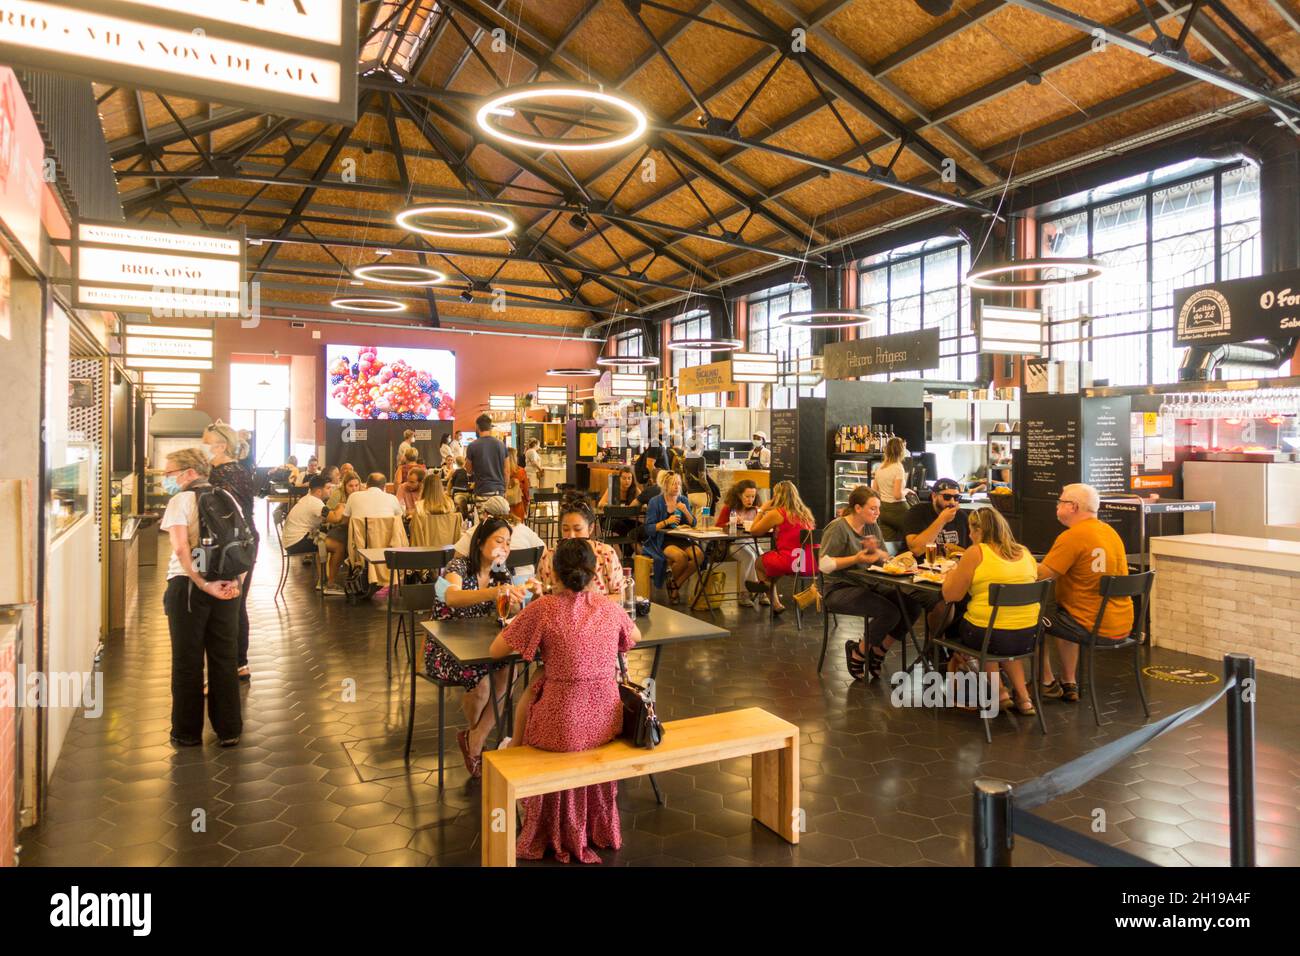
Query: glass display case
<point>849,471</point>
<point>71,495</point>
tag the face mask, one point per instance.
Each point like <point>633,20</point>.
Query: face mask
<point>171,485</point>
<point>758,443</point>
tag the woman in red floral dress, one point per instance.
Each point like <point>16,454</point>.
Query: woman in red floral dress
<point>576,706</point>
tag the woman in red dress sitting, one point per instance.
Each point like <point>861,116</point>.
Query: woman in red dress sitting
<point>576,705</point>
<point>789,517</point>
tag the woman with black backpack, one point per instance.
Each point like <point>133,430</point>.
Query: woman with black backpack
<point>202,609</point>
<point>225,450</point>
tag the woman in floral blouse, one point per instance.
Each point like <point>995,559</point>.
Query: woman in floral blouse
<point>470,587</point>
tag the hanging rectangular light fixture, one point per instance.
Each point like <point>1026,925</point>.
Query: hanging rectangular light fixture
<point>552,395</point>
<point>170,378</point>
<point>1002,330</point>
<point>501,403</point>
<point>138,361</point>
<point>628,385</point>
<point>761,368</point>
<point>172,390</point>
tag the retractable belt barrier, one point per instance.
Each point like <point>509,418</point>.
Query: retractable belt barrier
<point>1000,812</point>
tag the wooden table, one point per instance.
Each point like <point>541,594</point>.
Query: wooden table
<point>468,640</point>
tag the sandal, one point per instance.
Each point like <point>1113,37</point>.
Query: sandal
<point>674,592</point>
<point>875,661</point>
<point>1069,693</point>
<point>1025,708</point>
<point>857,665</point>
<point>473,764</point>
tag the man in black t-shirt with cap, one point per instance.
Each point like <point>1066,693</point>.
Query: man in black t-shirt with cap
<point>938,521</point>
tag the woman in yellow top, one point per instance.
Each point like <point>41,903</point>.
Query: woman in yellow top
<point>994,557</point>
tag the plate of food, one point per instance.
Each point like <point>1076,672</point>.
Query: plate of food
<point>953,551</point>
<point>898,566</point>
<point>931,575</point>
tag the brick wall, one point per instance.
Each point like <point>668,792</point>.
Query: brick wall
<point>1211,609</point>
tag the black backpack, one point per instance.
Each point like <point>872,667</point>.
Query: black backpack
<point>226,543</point>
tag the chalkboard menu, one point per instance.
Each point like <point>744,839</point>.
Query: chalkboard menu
<point>1049,426</point>
<point>1106,443</point>
<point>784,445</point>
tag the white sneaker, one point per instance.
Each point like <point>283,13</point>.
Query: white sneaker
<point>333,590</point>
<point>746,601</point>
<point>505,742</point>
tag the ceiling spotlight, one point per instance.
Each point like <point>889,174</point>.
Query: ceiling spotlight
<point>383,252</point>
<point>579,221</point>
<point>467,294</point>
<point>1034,79</point>
<point>936,8</point>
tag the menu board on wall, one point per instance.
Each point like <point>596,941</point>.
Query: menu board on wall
<point>784,445</point>
<point>1050,428</point>
<point>1107,443</point>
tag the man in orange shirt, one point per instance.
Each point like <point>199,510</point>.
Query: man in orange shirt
<point>1086,550</point>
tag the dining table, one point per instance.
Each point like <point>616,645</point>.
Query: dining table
<point>715,545</point>
<point>469,639</point>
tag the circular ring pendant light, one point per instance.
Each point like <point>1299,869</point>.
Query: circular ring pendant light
<point>628,361</point>
<point>706,345</point>
<point>500,105</point>
<point>572,372</point>
<point>369,305</point>
<point>395,274</point>
<point>497,223</point>
<point>1085,270</point>
<point>826,319</point>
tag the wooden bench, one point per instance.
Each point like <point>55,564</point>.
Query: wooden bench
<point>518,772</point>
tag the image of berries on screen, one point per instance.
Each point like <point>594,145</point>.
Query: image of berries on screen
<point>376,383</point>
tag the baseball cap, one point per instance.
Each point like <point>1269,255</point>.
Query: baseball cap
<point>496,505</point>
<point>945,484</point>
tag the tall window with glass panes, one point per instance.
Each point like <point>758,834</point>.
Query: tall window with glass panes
<point>693,325</point>
<point>767,334</point>
<point>922,286</point>
<point>1153,240</point>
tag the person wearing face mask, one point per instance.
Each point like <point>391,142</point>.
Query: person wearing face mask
<point>202,615</point>
<point>471,586</point>
<point>760,456</point>
<point>225,449</point>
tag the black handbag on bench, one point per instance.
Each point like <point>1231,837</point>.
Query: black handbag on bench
<point>640,724</point>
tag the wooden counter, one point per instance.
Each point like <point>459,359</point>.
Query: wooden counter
<point>1216,594</point>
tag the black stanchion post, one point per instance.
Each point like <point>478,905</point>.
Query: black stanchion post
<point>992,822</point>
<point>1241,757</point>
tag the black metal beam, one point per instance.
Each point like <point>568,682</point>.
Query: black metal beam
<point>1191,68</point>
<point>132,146</point>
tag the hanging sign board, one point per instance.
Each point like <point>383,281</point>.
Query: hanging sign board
<point>1006,331</point>
<point>1239,310</point>
<point>287,57</point>
<point>165,273</point>
<point>904,352</point>
<point>702,379</point>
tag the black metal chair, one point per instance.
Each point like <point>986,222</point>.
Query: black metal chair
<point>407,599</point>
<point>618,513</point>
<point>524,557</point>
<point>1114,587</point>
<point>542,516</point>
<point>809,544</point>
<point>1008,596</point>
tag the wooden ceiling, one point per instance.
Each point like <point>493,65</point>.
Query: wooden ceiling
<point>779,128</point>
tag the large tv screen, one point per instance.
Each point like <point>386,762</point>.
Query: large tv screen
<point>372,382</point>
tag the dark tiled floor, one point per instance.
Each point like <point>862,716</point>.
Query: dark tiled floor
<point>320,781</point>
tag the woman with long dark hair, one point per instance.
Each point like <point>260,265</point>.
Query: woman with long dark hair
<point>576,706</point>
<point>470,586</point>
<point>742,502</point>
